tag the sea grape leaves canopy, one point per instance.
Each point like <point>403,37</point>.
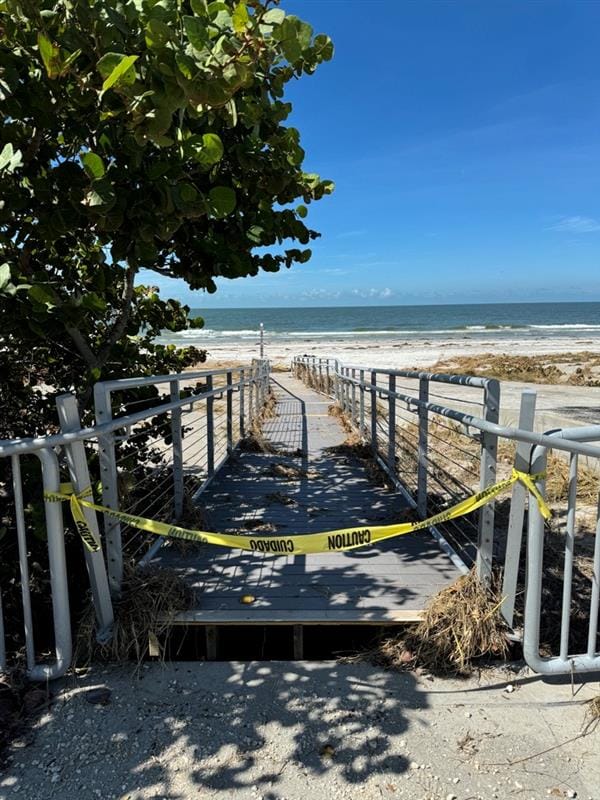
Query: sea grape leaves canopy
<point>143,134</point>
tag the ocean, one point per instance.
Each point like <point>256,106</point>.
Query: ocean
<point>365,323</point>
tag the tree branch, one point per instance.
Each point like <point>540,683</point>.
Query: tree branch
<point>84,349</point>
<point>118,329</point>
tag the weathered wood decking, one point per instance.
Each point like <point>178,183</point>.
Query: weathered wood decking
<point>383,584</point>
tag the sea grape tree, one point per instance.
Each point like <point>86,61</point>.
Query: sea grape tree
<point>141,134</point>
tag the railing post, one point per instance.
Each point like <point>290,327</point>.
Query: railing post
<point>110,490</point>
<point>327,378</point>
<point>242,400</point>
<point>251,397</point>
<point>489,452</point>
<point>362,402</point>
<point>374,412</point>
<point>516,516</point>
<point>210,429</point>
<point>68,415</point>
<point>229,412</point>
<point>353,414</point>
<point>391,456</point>
<point>176,436</point>
<point>422,449</point>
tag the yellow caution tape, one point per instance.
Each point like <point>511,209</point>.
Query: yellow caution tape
<point>298,544</point>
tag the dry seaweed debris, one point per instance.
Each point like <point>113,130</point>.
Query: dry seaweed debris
<point>462,624</point>
<point>557,482</point>
<point>255,442</point>
<point>593,710</point>
<point>150,600</point>
<point>336,411</point>
<point>289,472</point>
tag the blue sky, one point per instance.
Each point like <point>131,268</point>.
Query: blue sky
<point>464,141</point>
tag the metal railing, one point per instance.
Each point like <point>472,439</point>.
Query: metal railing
<point>564,661</point>
<point>158,466</point>
<point>432,460</point>
<point>169,444</point>
<point>436,453</point>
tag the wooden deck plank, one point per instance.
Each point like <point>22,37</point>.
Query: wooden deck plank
<point>384,584</point>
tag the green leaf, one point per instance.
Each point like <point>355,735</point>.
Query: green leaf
<point>196,31</point>
<point>206,150</point>
<point>199,7</point>
<point>255,234</point>
<point>302,211</point>
<point>43,296</point>
<point>274,17</point>
<point>93,165</point>
<point>197,322</point>
<point>186,65</point>
<point>222,201</point>
<point>116,69</point>
<point>50,54</point>
<point>4,275</point>
<point>94,303</point>
<point>101,197</point>
<point>10,159</point>
<point>187,193</point>
<point>157,34</point>
<point>324,47</point>
<point>240,18</point>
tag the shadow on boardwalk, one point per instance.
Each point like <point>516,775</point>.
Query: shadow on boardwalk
<point>305,487</point>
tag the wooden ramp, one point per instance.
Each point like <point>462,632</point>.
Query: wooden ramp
<point>378,585</point>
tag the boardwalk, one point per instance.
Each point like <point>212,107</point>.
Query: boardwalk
<point>385,584</point>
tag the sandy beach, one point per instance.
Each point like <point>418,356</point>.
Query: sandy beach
<point>420,353</point>
<point>560,403</point>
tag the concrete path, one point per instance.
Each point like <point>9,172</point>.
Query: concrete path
<point>328,489</point>
<point>306,731</point>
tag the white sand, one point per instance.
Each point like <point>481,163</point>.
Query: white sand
<point>395,353</point>
<point>557,405</point>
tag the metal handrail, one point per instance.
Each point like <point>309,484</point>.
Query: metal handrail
<point>9,447</point>
<point>531,455</point>
<point>564,662</point>
<point>253,378</point>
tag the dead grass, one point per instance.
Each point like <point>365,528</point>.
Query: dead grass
<point>335,411</point>
<point>462,624</point>
<point>574,368</point>
<point>289,472</point>
<point>593,709</point>
<point>255,442</point>
<point>281,499</point>
<point>557,482</point>
<point>149,603</point>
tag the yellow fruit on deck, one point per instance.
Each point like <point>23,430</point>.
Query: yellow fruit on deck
<point>247,599</point>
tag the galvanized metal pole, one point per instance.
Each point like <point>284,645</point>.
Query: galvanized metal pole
<point>210,429</point>
<point>374,411</point>
<point>242,400</point>
<point>68,415</point>
<point>422,449</point>
<point>391,454</point>
<point>489,452</point>
<point>176,436</point>
<point>362,402</point>
<point>110,490</point>
<point>516,516</point>
<point>229,400</point>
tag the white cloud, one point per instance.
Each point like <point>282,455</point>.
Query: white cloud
<point>577,225</point>
<point>380,294</point>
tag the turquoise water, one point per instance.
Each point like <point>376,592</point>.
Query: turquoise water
<point>390,322</point>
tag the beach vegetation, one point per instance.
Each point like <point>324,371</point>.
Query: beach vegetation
<point>140,141</point>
